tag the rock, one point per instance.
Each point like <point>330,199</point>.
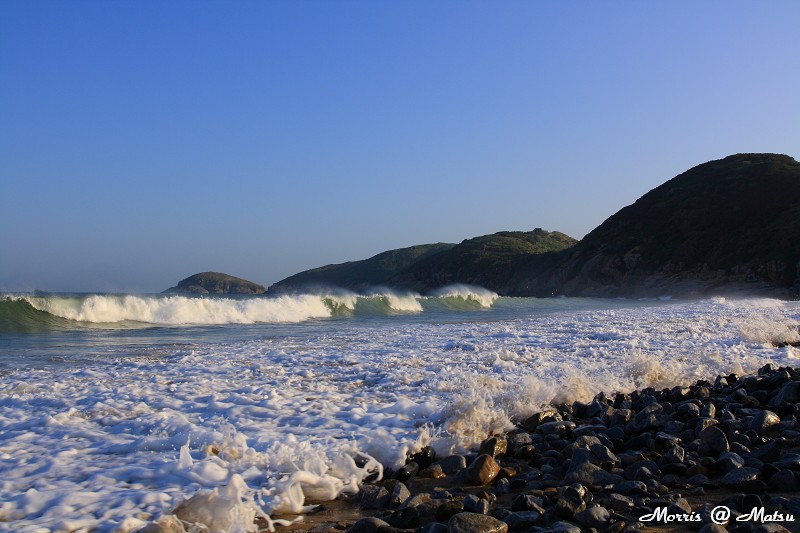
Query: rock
<point>605,457</point>
<point>740,478</point>
<point>473,504</point>
<point>563,427</point>
<point>784,480</point>
<point>399,494</point>
<point>407,518</point>
<point>762,421</point>
<point>527,502</point>
<point>646,419</point>
<point>572,500</point>
<point>415,501</point>
<point>532,422</point>
<point>789,461</point>
<point>367,525</point>
<point>620,417</point>
<point>494,446</point>
<point>407,472</point>
<point>620,503</point>
<point>589,474</point>
<point>432,472</point>
<point>374,497</point>
<point>595,516</point>
<point>475,523</point>
<point>629,488</point>
<point>522,520</point>
<point>789,393</point>
<point>565,527</point>
<point>715,439</point>
<point>424,458</point>
<point>729,461</point>
<point>445,509</point>
<point>483,470</point>
<point>674,455</point>
<point>452,464</point>
<point>679,507</point>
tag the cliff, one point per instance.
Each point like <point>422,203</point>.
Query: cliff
<point>723,226</point>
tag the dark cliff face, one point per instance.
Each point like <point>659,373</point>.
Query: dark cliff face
<point>216,283</point>
<point>730,224</point>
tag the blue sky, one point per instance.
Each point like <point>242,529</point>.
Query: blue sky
<point>141,142</point>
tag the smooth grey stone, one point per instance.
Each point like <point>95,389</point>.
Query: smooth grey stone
<point>399,494</point>
<point>790,461</point>
<point>740,478</point>
<point>789,393</point>
<point>589,474</point>
<point>452,463</point>
<point>473,504</point>
<point>522,520</point>
<point>595,516</point>
<point>475,523</point>
<point>729,461</point>
<point>369,524</point>
<point>715,439</point>
<point>374,497</point>
<point>763,421</point>
<point>620,503</point>
<point>784,481</point>
<point>572,500</point>
<point>565,527</point>
<point>628,488</point>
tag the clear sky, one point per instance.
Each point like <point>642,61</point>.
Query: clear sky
<point>144,141</point>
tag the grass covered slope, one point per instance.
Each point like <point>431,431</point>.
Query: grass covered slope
<point>492,261</point>
<point>728,223</point>
<point>359,275</point>
<point>216,283</point>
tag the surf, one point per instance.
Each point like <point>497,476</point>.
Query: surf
<point>37,313</point>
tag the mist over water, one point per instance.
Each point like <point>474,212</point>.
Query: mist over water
<point>115,408</point>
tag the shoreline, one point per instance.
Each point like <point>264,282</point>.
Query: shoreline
<point>733,441</point>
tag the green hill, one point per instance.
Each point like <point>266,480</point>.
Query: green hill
<point>216,283</point>
<point>360,275</point>
<point>490,261</point>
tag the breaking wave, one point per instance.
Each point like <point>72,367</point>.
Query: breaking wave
<point>19,313</point>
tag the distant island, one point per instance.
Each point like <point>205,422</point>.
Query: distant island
<point>215,283</point>
<point>726,226</point>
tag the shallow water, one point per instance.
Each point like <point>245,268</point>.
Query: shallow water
<point>115,408</point>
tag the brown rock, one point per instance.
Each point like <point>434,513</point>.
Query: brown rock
<point>483,470</point>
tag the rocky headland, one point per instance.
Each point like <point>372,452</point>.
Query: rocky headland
<point>215,283</point>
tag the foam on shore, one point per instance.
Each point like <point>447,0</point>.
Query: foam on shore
<point>261,425</point>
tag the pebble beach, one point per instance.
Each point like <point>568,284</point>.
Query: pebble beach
<point>716,455</point>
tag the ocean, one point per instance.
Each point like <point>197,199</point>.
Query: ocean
<point>114,408</point>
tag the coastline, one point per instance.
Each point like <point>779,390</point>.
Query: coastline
<point>673,454</point>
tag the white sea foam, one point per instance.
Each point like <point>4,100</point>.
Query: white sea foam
<point>226,431</point>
